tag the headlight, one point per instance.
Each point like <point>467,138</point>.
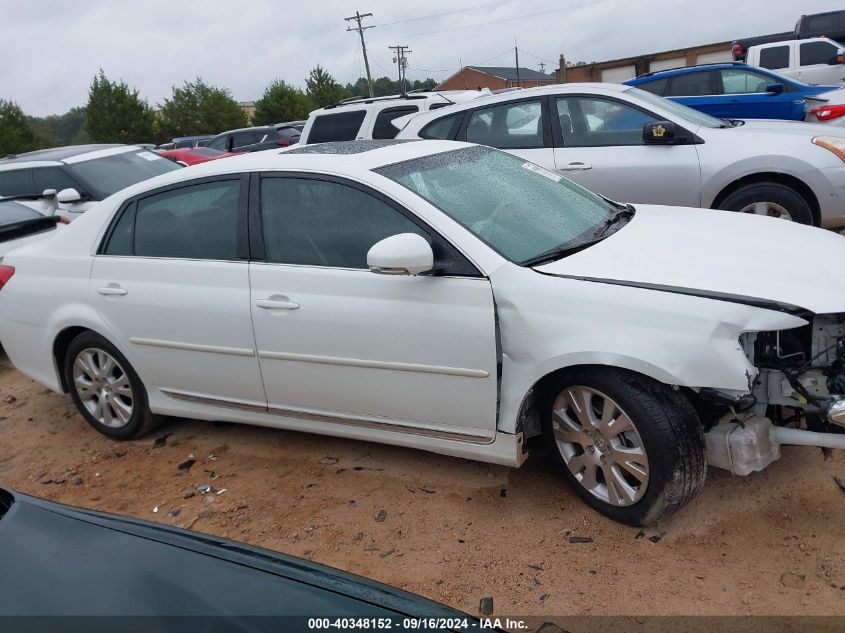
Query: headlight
<point>835,144</point>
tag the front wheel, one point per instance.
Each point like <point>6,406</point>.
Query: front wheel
<point>105,388</point>
<point>631,447</point>
<point>770,199</point>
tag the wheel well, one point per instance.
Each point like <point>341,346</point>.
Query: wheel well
<point>781,179</point>
<point>60,346</point>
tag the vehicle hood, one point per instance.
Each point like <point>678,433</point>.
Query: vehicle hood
<point>775,126</point>
<point>718,254</point>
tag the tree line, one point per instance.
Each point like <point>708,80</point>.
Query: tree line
<point>116,113</point>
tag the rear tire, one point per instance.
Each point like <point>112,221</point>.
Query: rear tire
<point>106,389</point>
<point>772,199</point>
<point>635,453</point>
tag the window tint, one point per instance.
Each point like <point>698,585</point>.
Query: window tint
<point>122,235</point>
<point>342,126</point>
<point>250,137</point>
<point>817,53</point>
<point>221,143</point>
<point>444,129</point>
<point>507,126</point>
<point>52,178</point>
<point>691,85</point>
<point>821,23</point>
<point>11,212</point>
<point>196,222</point>
<point>774,57</point>
<point>589,122</point>
<point>656,87</point>
<point>383,127</point>
<point>318,223</point>
<point>118,171</point>
<point>14,183</point>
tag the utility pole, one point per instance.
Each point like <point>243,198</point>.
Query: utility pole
<point>543,67</point>
<point>358,17</point>
<point>401,63</point>
<point>516,52</point>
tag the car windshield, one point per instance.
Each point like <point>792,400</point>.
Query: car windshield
<point>518,208</point>
<point>109,174</point>
<point>11,212</point>
<point>678,109</point>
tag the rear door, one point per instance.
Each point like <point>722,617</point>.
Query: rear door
<point>172,283</point>
<point>599,145</point>
<point>746,97</point>
<point>338,343</point>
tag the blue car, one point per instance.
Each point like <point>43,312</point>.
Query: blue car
<point>731,91</point>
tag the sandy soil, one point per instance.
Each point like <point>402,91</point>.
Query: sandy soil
<point>452,530</point>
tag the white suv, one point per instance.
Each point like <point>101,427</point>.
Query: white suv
<point>357,119</point>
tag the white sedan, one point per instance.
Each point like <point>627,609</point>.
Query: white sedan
<point>442,296</point>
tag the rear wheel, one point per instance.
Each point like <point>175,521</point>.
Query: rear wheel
<point>631,447</point>
<point>105,388</point>
<point>770,199</point>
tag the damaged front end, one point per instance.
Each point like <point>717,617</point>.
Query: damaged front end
<point>797,397</point>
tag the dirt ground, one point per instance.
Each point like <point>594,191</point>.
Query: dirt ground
<point>452,530</point>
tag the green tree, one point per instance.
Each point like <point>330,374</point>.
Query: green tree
<point>323,89</point>
<point>15,132</point>
<point>198,108</point>
<point>116,114</point>
<point>281,102</point>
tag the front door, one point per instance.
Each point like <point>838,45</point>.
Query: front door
<point>172,283</point>
<point>601,148</point>
<point>336,341</point>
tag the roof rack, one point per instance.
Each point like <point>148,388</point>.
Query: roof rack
<point>664,70</point>
<point>356,100</point>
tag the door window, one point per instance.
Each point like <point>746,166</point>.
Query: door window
<point>320,223</point>
<point>221,143</point>
<point>445,129</point>
<point>342,126</point>
<point>53,178</point>
<point>739,82</point>
<point>508,126</point>
<point>774,57</point>
<point>691,85</point>
<point>595,122</point>
<point>195,222</point>
<point>240,139</point>
<point>383,127</point>
<point>656,87</point>
<point>813,53</point>
<point>15,182</point>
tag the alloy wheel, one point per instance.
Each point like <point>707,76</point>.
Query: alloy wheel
<point>103,387</point>
<point>600,445</point>
<point>770,209</point>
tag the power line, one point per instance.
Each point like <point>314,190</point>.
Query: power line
<point>519,17</point>
<point>440,15</point>
<point>360,28</point>
<point>549,61</point>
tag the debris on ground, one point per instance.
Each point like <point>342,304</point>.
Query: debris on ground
<point>839,483</point>
<point>155,509</point>
<point>485,607</point>
<point>186,465</point>
<point>205,489</point>
<point>580,539</point>
<point>793,580</point>
<point>381,516</point>
<point>387,553</point>
<point>329,461</point>
<point>161,441</point>
<point>656,537</point>
<point>10,399</point>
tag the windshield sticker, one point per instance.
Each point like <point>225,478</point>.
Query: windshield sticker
<point>148,155</point>
<point>542,171</point>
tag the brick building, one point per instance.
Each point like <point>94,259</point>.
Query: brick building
<point>495,78</point>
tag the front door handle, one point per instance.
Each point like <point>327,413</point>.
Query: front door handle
<point>277,304</point>
<point>112,290</point>
<point>576,167</point>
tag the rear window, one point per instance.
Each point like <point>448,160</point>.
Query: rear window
<point>384,127</point>
<point>656,87</point>
<point>11,212</point>
<point>342,126</point>
<point>774,57</point>
<point>14,183</point>
<point>52,178</point>
<point>110,174</point>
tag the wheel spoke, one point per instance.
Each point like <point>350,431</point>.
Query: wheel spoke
<point>619,491</point>
<point>619,425</point>
<point>106,364</point>
<point>85,362</point>
<point>634,467</point>
<point>588,478</point>
<point>761,208</point>
<point>579,402</point>
<point>121,386</point>
<point>121,409</point>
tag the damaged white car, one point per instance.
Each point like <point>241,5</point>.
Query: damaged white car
<point>448,297</point>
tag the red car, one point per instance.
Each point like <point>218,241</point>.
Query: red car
<point>194,155</point>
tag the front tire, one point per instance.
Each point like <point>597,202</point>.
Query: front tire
<point>106,389</point>
<point>631,447</point>
<point>770,199</point>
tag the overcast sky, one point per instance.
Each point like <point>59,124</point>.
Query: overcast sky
<point>53,48</point>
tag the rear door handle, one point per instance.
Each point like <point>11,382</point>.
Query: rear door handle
<point>277,304</point>
<point>112,289</point>
<point>576,167</point>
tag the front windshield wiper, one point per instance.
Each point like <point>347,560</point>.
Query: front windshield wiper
<point>623,211</point>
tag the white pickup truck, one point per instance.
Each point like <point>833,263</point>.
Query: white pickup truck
<point>817,60</point>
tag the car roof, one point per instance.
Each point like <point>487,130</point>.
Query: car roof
<point>58,154</point>
<point>685,70</point>
<point>192,138</point>
<point>249,129</point>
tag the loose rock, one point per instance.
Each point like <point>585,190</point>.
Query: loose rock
<point>485,607</point>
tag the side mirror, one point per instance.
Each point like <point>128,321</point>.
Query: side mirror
<point>659,133</point>
<point>68,196</point>
<point>775,89</point>
<point>402,254</point>
<point>840,57</point>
